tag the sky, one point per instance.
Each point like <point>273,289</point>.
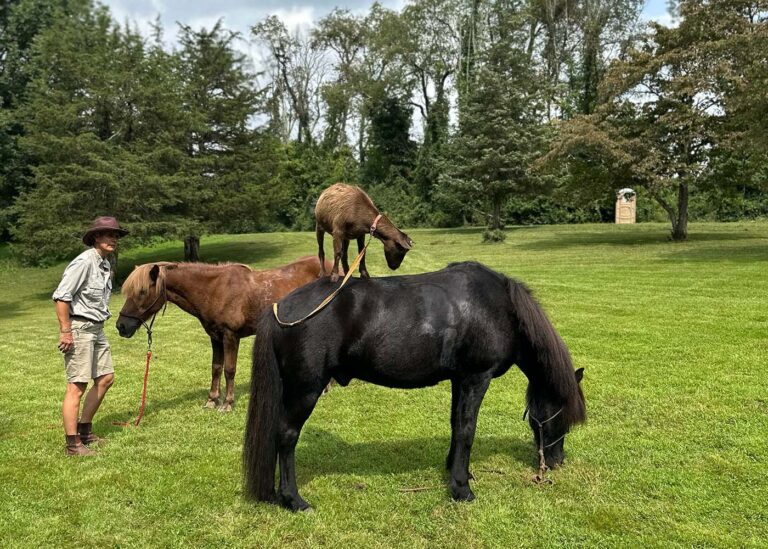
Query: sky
<point>240,15</point>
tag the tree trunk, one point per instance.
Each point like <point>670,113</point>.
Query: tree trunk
<point>680,221</point>
<point>192,248</point>
<point>496,215</point>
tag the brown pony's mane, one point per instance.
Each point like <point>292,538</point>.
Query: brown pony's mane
<point>139,279</point>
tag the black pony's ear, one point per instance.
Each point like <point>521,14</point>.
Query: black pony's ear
<point>153,272</point>
<point>579,375</point>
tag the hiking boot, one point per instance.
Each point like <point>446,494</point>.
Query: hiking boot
<point>76,448</point>
<point>86,436</point>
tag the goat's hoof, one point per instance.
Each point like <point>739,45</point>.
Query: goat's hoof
<point>334,277</point>
<point>211,404</point>
<point>226,407</point>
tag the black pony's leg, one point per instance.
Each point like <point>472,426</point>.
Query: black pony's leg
<point>471,392</point>
<point>217,366</point>
<point>363,268</point>
<point>454,403</point>
<point>296,412</point>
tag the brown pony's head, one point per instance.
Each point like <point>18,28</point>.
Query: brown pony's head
<point>144,292</point>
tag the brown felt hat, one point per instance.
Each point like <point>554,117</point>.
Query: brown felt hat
<point>102,224</point>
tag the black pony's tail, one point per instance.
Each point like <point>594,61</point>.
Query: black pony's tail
<point>545,358</point>
<point>264,408</point>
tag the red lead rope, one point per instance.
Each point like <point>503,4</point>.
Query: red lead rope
<point>146,375</point>
<point>143,397</point>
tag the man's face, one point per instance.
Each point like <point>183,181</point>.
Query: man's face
<point>105,242</point>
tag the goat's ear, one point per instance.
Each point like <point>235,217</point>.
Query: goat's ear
<point>153,272</point>
<point>579,375</point>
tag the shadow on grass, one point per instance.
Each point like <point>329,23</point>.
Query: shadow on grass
<point>9,309</point>
<point>216,252</point>
<point>755,252</point>
<point>634,238</point>
<point>323,453</point>
<point>183,403</point>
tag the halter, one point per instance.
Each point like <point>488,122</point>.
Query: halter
<point>542,446</point>
<point>148,327</point>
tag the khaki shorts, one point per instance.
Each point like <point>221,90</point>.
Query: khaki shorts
<point>91,356</point>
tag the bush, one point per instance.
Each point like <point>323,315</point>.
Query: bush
<point>494,236</point>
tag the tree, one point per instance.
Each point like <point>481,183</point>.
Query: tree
<point>298,72</point>
<point>21,21</point>
<point>82,139</point>
<point>662,123</point>
<point>224,181</point>
<point>501,133</point>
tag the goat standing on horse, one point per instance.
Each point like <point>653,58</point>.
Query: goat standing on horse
<point>347,212</point>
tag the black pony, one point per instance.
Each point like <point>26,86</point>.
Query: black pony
<point>465,323</point>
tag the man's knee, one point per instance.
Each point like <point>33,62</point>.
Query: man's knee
<point>76,389</point>
<point>105,381</point>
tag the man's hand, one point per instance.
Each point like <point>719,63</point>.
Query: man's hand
<point>66,343</point>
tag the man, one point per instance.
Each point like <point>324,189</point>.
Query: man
<point>82,300</point>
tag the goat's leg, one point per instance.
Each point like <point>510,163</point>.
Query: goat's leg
<point>345,256</point>
<point>360,246</point>
<point>320,233</point>
<point>338,244</point>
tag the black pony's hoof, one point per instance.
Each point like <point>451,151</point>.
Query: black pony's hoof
<point>294,504</point>
<point>462,494</point>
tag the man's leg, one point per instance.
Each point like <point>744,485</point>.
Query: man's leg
<point>94,397</point>
<point>103,376</point>
<point>69,412</point>
<point>71,407</point>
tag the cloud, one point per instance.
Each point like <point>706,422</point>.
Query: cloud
<point>238,15</point>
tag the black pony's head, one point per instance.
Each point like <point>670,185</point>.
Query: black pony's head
<point>551,420</point>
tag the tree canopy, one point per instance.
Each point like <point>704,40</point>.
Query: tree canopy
<point>448,112</point>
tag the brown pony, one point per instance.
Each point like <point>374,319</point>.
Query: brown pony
<point>225,298</point>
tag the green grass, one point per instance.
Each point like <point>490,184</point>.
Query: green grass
<point>672,336</point>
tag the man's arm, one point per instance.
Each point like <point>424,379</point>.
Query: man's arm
<point>65,326</point>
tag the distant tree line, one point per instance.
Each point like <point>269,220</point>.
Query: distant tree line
<point>449,112</point>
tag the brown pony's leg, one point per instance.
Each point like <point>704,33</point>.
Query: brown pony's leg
<point>231,346</point>
<point>345,255</point>
<point>320,233</point>
<point>338,243</point>
<point>217,366</point>
<point>363,268</point>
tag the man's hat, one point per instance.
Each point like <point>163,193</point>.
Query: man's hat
<point>102,224</point>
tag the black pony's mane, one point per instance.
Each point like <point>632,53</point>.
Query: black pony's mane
<point>556,378</point>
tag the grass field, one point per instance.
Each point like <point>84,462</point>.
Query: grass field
<point>675,451</point>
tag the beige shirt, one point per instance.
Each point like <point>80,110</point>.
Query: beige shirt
<point>87,285</point>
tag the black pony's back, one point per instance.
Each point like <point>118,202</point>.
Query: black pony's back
<point>403,331</point>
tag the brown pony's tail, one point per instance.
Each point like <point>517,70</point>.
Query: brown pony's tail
<point>264,408</point>
<point>547,359</point>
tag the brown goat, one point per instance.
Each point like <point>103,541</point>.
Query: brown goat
<point>347,212</point>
